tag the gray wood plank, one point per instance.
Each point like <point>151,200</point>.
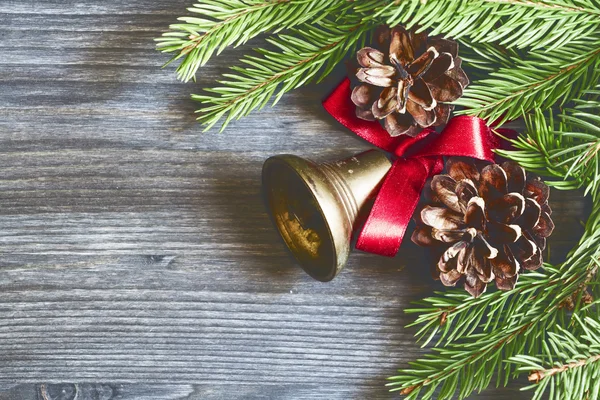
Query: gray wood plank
<point>136,257</point>
<point>86,391</point>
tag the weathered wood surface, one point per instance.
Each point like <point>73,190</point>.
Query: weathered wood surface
<point>136,259</point>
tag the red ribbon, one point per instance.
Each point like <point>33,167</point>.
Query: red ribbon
<point>415,160</point>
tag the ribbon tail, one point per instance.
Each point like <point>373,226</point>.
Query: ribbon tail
<point>394,206</point>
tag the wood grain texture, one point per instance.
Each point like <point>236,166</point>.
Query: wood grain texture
<point>136,258</point>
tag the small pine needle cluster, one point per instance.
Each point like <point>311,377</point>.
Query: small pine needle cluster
<point>536,59</point>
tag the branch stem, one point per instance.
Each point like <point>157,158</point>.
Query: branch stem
<point>542,4</point>
<point>536,376</point>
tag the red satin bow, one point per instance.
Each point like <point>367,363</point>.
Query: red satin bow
<point>415,160</point>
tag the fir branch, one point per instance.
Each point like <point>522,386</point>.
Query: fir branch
<point>565,29</point>
<point>566,147</point>
<point>305,55</point>
<point>538,375</point>
<point>569,365</point>
<point>489,330</point>
<point>512,23</point>
<point>542,80</point>
<point>221,23</point>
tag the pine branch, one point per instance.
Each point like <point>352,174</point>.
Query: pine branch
<point>567,27</point>
<point>540,374</point>
<point>463,367</point>
<point>485,332</point>
<point>305,55</point>
<point>537,24</point>
<point>221,23</point>
<point>569,365</point>
<point>542,80</point>
<point>567,149</point>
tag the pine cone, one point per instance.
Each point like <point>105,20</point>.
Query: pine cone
<point>408,92</point>
<point>488,223</point>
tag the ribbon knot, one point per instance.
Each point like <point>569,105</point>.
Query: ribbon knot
<point>414,161</point>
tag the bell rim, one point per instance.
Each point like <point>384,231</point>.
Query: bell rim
<point>301,167</point>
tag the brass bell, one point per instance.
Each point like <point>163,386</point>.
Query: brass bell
<point>315,206</point>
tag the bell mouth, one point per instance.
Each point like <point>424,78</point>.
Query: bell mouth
<point>290,187</point>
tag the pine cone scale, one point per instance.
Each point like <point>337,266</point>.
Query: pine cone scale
<point>445,46</point>
<point>445,89</point>
<point>423,236</point>
<point>507,208</point>
<point>403,96</point>
<point>460,170</point>
<point>458,74</point>
<point>504,267</point>
<point>442,112</point>
<point>420,114</point>
<point>484,247</point>
<point>523,249</point>
<point>475,286</point>
<point>545,226</point>
<point>531,214</point>
<point>386,104</point>
<point>421,95</point>
<point>420,66</point>
<point>441,218</point>
<point>369,57</point>
<point>515,177</point>
<point>449,259</point>
<point>475,215</point>
<point>451,277</point>
<point>492,182</point>
<point>401,48</point>
<point>501,233</point>
<point>400,124</point>
<point>444,186</point>
<point>538,190</point>
<point>465,191</point>
<point>449,235</point>
<point>443,63</point>
<point>375,77</point>
<point>363,95</point>
<point>506,284</point>
<point>533,262</point>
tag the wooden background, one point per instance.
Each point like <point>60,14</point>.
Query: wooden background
<point>136,258</point>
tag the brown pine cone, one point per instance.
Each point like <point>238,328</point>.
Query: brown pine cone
<point>490,224</point>
<point>407,84</point>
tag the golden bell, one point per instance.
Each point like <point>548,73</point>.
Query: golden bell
<point>315,206</point>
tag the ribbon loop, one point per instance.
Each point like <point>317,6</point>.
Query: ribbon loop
<point>385,227</point>
<point>415,160</point>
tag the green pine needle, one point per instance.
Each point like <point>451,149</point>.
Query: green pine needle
<point>541,24</point>
<point>565,146</point>
<point>303,56</point>
<point>217,24</point>
<point>540,81</point>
